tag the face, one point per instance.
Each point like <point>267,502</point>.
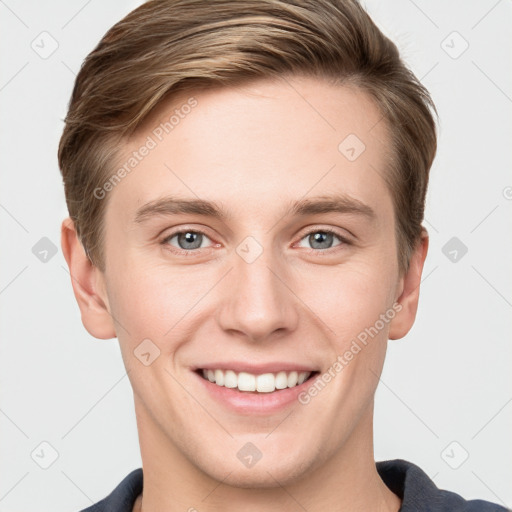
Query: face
<point>256,236</point>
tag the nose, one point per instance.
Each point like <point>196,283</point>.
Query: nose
<point>258,303</point>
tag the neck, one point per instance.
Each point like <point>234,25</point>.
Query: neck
<point>345,481</point>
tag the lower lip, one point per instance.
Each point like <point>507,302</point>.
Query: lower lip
<point>243,402</point>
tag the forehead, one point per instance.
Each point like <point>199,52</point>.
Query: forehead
<point>267,142</point>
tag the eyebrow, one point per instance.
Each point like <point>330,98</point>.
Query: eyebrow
<point>171,205</point>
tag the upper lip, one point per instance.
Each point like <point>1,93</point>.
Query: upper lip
<point>256,369</point>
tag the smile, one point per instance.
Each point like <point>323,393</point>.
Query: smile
<point>248,382</point>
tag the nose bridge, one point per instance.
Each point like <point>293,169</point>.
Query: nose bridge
<point>256,301</point>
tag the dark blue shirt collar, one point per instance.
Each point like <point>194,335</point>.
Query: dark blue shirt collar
<point>416,490</point>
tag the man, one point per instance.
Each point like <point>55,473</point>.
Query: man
<point>246,186</point>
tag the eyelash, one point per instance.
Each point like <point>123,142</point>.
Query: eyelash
<point>193,252</point>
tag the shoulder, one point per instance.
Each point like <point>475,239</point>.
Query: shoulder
<point>419,493</point>
<point>123,497</point>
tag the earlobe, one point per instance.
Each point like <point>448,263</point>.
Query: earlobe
<point>409,297</point>
<point>86,280</point>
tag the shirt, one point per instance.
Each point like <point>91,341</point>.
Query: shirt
<point>416,490</point>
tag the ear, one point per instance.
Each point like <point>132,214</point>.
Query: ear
<point>88,285</point>
<point>409,290</point>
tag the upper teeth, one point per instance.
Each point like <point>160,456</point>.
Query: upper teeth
<point>265,383</point>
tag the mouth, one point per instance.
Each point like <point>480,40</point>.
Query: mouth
<point>245,382</point>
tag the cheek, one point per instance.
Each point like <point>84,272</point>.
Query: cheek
<point>153,300</point>
<point>354,298</point>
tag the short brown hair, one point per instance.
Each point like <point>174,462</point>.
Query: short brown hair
<point>168,46</point>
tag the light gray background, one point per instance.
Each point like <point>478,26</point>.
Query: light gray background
<point>448,381</point>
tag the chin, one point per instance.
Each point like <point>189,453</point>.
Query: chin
<point>265,474</point>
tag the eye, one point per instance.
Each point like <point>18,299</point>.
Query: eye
<point>186,240</point>
<point>322,239</point>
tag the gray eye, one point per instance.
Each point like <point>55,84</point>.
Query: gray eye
<point>188,239</point>
<point>321,240</point>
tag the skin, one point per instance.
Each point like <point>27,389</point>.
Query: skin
<point>253,149</point>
